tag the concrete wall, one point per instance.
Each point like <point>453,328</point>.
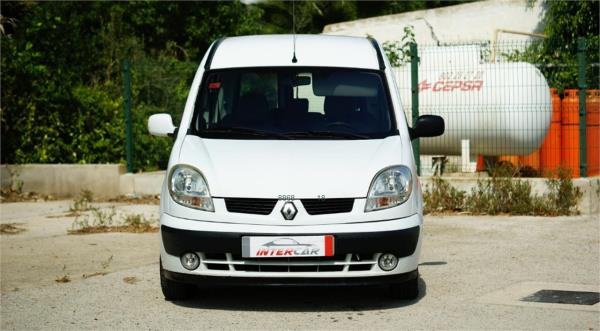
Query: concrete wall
<point>64,180</point>
<point>68,180</point>
<point>465,22</point>
<point>149,183</point>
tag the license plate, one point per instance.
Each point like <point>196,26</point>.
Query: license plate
<point>287,246</point>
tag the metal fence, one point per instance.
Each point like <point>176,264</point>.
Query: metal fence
<point>152,86</point>
<point>499,107</point>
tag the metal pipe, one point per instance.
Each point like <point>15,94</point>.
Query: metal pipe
<point>523,33</point>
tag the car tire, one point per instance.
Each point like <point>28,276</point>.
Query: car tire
<point>174,291</point>
<point>408,290</point>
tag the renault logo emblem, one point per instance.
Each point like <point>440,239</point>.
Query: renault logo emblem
<point>289,211</point>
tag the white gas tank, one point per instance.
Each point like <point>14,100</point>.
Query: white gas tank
<point>501,108</point>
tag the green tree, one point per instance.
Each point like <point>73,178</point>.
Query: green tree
<point>40,67</point>
<point>61,73</point>
<point>565,21</point>
<point>61,95</point>
<point>309,16</point>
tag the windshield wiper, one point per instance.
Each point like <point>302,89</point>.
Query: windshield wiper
<point>326,134</point>
<point>246,131</point>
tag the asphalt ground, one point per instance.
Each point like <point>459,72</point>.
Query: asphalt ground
<point>474,272</point>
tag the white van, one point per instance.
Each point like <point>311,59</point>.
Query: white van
<point>292,165</point>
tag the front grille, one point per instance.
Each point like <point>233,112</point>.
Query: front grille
<point>312,206</point>
<point>337,263</point>
<point>328,206</point>
<point>250,205</point>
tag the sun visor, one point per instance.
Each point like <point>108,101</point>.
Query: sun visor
<point>346,84</point>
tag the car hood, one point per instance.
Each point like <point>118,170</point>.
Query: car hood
<point>302,168</point>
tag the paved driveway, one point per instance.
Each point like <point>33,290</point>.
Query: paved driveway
<point>474,272</point>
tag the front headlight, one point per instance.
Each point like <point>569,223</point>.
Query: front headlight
<point>391,187</point>
<point>188,187</point>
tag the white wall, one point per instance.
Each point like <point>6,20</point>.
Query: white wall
<point>64,180</point>
<point>465,22</point>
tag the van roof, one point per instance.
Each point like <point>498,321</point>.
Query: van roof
<point>311,51</point>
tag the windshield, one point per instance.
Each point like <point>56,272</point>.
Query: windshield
<point>293,103</point>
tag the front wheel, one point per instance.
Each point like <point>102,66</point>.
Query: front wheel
<point>173,290</point>
<point>408,290</point>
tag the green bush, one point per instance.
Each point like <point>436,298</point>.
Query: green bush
<point>99,124</point>
<point>504,194</point>
<point>441,197</point>
<point>500,195</point>
<point>562,196</point>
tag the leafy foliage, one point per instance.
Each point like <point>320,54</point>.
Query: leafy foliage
<point>564,22</point>
<point>61,74</point>
<point>398,52</point>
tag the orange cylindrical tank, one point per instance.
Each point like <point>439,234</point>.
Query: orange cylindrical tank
<point>569,144</point>
<point>480,163</point>
<point>550,149</point>
<point>532,160</point>
<point>592,120</point>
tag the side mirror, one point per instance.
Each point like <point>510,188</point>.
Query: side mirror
<point>161,125</point>
<point>427,126</point>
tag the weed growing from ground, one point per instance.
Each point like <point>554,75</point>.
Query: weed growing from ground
<point>96,222</point>
<point>105,221</point>
<point>82,203</point>
<point>138,223</point>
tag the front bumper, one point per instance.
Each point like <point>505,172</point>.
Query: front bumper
<point>399,242</point>
<point>295,281</point>
<point>357,247</point>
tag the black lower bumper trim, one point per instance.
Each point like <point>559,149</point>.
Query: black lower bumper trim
<point>296,281</point>
<point>399,242</point>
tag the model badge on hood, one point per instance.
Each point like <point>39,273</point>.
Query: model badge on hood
<point>289,211</point>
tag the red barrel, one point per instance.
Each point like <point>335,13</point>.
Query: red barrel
<point>480,163</point>
<point>592,120</point>
<point>550,149</point>
<point>569,152</point>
